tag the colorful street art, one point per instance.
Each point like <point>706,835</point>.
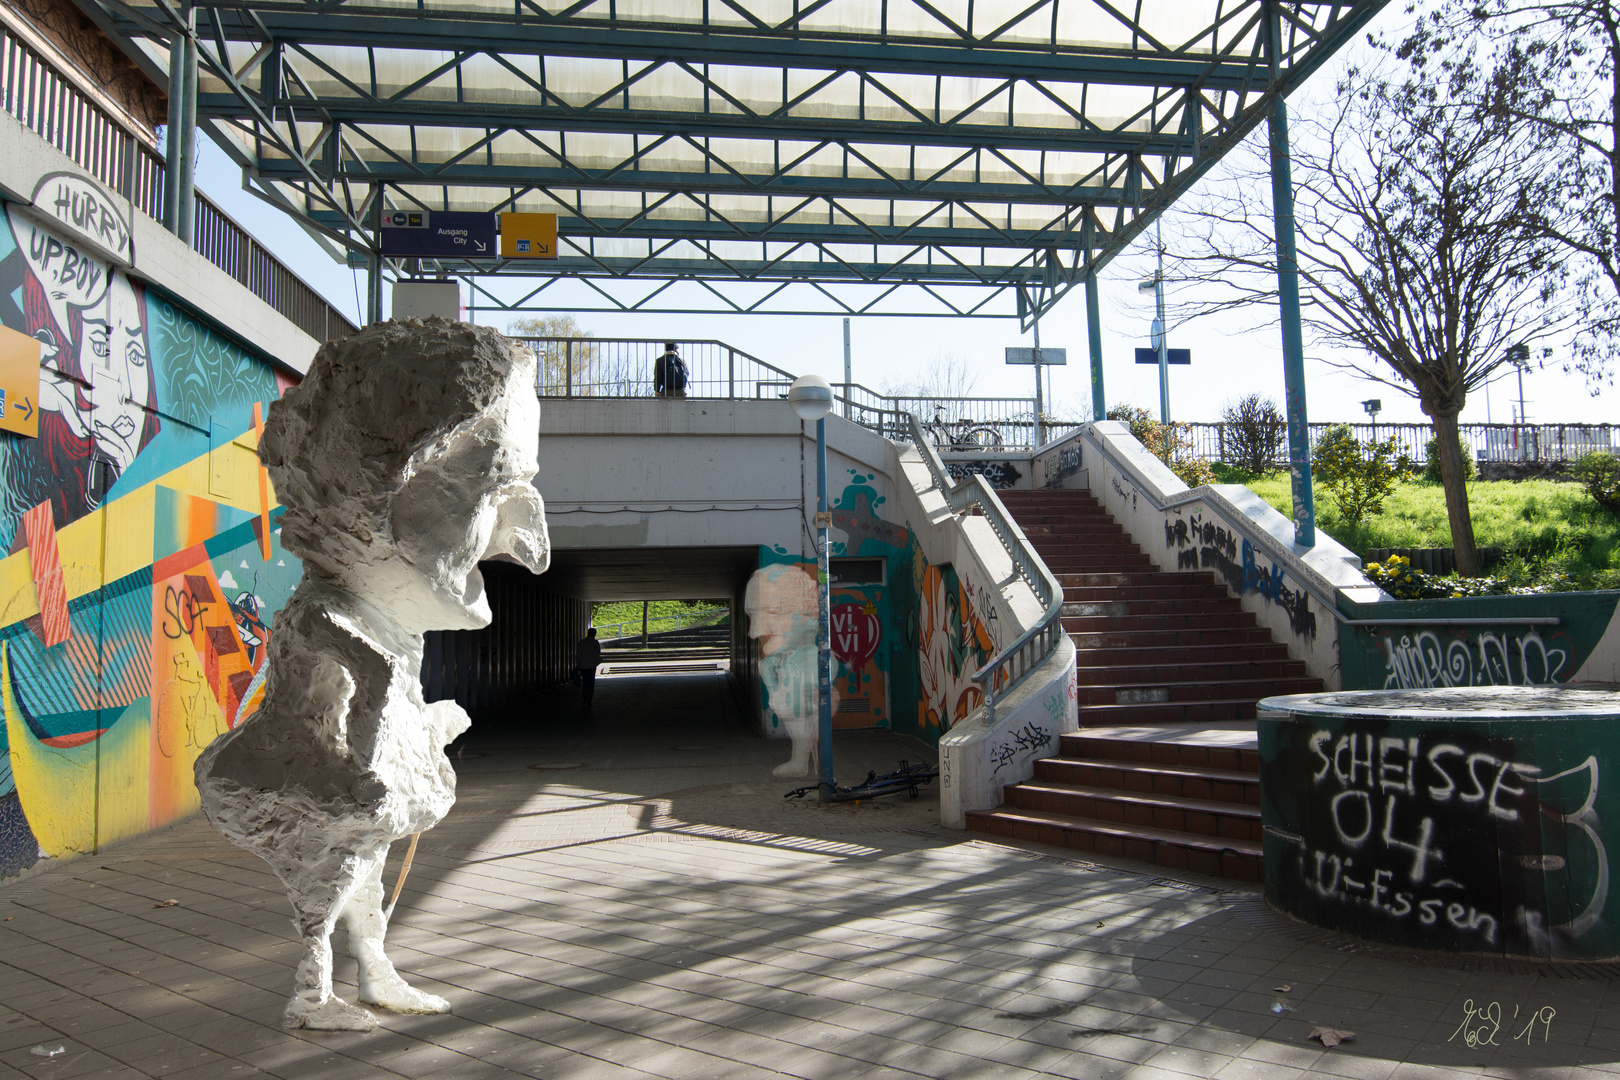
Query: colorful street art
<point>956,635</point>
<point>143,564</point>
<point>905,651</point>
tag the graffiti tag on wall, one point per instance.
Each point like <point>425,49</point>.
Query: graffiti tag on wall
<point>1428,659</point>
<point>1067,463</point>
<point>1205,545</point>
<point>998,474</point>
<point>1027,741</point>
<point>1445,838</point>
<point>953,642</point>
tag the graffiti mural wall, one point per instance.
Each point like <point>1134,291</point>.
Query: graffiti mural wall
<point>1506,641</point>
<point>143,565</point>
<point>906,641</point>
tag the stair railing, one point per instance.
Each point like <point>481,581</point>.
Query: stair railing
<point>1003,672</point>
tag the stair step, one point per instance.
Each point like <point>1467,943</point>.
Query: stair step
<point>1195,620</point>
<point>1188,781</point>
<point>1167,592</point>
<point>1133,607</point>
<point>1172,646</point>
<point>1232,670</point>
<point>1163,691</point>
<point>1210,855</point>
<point>1176,813</point>
<point>1080,746</point>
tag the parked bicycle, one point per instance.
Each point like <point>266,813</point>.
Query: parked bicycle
<point>961,434</point>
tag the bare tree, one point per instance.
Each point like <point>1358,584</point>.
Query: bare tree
<point>1254,433</point>
<point>1555,71</point>
<point>948,374</point>
<point>1422,253</point>
<point>571,360</point>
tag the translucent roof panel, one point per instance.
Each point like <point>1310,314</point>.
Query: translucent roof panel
<point>980,144</point>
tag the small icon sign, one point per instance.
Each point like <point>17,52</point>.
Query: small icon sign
<point>528,236</point>
<point>19,382</point>
<point>438,234</point>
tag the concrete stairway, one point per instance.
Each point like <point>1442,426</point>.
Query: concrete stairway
<point>1170,668</point>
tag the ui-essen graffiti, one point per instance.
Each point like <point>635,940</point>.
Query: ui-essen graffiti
<point>1204,544</point>
<point>1462,658</point>
<point>144,567</point>
<point>1438,836</point>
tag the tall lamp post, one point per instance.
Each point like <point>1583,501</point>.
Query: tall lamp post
<point>812,399</point>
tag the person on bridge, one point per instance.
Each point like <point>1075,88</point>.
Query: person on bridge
<point>589,655</point>
<point>669,373</point>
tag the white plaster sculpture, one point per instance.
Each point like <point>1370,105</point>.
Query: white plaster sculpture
<point>781,605</point>
<point>406,456</point>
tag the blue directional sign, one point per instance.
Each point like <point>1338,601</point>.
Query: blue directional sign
<point>1172,356</point>
<point>438,234</point>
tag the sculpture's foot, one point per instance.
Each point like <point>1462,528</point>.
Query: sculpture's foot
<point>794,767</point>
<point>331,1014</point>
<point>396,995</point>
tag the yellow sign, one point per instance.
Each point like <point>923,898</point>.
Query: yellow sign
<point>528,236</point>
<point>19,383</point>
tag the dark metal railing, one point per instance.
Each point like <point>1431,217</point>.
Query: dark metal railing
<point>1546,443</point>
<point>623,367</point>
<point>50,103</point>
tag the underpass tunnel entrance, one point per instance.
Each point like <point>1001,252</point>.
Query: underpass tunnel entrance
<point>515,674</point>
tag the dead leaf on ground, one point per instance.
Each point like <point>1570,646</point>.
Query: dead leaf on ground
<point>167,903</point>
<point>1330,1037</point>
<point>1284,988</point>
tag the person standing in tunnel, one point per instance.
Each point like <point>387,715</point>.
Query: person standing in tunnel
<point>589,655</point>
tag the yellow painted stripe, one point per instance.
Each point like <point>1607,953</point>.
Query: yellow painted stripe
<point>129,523</point>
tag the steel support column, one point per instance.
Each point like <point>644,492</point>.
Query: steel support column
<point>1299,447</point>
<point>1099,404</point>
<point>180,140</point>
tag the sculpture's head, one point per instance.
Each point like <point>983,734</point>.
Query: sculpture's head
<point>408,454</point>
<point>781,604</point>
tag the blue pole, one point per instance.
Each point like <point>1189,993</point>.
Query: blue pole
<point>823,620</point>
<point>1299,442</point>
<point>1099,405</point>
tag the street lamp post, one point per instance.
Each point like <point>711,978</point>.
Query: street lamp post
<point>812,399</point>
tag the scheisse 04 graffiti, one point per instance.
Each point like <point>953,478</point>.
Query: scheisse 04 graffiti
<point>144,568</point>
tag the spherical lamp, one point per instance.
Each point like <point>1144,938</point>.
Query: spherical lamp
<point>811,397</point>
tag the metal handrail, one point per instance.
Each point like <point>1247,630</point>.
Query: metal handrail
<point>1035,645</point>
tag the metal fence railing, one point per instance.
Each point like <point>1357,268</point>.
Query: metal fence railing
<point>623,367</point>
<point>1486,442</point>
<point>52,104</point>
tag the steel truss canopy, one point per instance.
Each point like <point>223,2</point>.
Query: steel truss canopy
<point>852,156</point>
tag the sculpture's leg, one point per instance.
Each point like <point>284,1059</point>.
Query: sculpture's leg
<point>380,984</point>
<point>313,1003</point>
<point>803,761</point>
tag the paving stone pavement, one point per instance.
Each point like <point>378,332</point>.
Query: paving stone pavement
<point>626,894</point>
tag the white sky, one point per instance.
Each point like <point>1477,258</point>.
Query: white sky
<point>1231,356</point>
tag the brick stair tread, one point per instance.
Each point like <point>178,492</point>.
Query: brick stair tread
<point>1180,802</point>
<point>1138,832</point>
<point>1222,685</point>
<point>1204,671</point>
<point>1184,772</point>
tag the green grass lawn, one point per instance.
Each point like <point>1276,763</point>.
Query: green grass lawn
<point>661,614</point>
<point>1534,519</point>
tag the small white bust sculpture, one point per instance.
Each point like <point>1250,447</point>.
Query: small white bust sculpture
<point>406,456</point>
